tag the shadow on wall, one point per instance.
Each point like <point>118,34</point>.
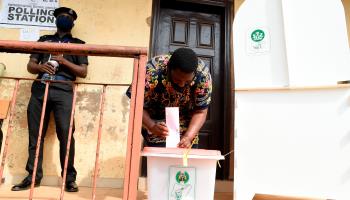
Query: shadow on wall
<point>116,116</point>
<point>125,101</point>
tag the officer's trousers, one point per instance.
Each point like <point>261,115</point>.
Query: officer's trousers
<point>60,102</point>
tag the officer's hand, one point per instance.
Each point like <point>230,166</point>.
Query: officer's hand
<point>160,129</point>
<point>59,58</point>
<point>185,142</point>
<point>46,67</point>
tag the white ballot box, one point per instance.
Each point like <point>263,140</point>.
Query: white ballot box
<point>168,178</point>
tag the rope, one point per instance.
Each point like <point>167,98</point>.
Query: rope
<point>185,156</point>
<point>225,156</point>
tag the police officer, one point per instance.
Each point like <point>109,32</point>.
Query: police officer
<point>60,96</point>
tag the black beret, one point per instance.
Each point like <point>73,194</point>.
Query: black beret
<point>66,10</point>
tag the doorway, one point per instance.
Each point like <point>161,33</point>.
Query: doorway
<point>203,26</point>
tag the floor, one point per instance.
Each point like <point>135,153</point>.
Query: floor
<point>53,193</point>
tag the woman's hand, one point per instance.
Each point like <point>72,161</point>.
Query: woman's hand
<point>60,59</point>
<point>46,67</point>
<point>185,142</point>
<point>159,129</point>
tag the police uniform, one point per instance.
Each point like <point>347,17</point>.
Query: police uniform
<point>59,100</point>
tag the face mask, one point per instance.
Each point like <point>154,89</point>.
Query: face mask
<point>64,23</point>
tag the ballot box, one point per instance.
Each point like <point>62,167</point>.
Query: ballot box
<point>179,174</point>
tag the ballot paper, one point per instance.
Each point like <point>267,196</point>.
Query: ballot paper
<point>173,124</point>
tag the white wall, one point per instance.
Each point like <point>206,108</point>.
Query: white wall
<point>264,66</point>
<point>293,140</point>
<point>293,143</point>
<point>306,44</point>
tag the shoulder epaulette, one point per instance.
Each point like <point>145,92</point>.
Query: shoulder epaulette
<point>77,40</point>
<point>46,37</point>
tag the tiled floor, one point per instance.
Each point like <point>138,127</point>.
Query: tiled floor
<point>53,193</point>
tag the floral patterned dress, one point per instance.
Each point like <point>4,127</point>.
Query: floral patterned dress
<point>160,92</point>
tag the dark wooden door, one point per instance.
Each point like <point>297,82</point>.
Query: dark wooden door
<point>202,33</point>
<point>204,26</point>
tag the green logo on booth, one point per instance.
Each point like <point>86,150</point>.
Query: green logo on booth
<point>182,177</point>
<point>257,35</point>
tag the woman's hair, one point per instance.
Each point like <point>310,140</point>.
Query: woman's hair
<point>184,59</point>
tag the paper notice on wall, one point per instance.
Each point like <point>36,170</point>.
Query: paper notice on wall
<point>173,124</point>
<point>29,34</point>
<point>257,41</point>
<point>28,13</point>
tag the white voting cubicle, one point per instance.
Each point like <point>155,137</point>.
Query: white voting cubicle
<point>292,119</point>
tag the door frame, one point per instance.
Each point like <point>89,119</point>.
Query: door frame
<point>228,74</point>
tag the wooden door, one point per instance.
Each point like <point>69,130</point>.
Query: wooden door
<point>202,33</point>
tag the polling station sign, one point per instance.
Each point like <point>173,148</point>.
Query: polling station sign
<point>28,13</point>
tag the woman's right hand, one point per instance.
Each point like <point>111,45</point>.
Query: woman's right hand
<point>159,129</point>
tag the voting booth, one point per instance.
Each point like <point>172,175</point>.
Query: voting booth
<point>179,174</point>
<point>292,130</point>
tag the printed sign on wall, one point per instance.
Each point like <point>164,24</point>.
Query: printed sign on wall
<point>182,182</point>
<point>28,13</point>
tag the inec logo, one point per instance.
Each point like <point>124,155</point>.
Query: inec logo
<point>182,177</point>
<point>257,35</point>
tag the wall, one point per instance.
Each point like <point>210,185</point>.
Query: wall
<point>237,4</point>
<point>111,22</point>
<point>300,144</point>
<point>346,4</point>
<point>291,127</point>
